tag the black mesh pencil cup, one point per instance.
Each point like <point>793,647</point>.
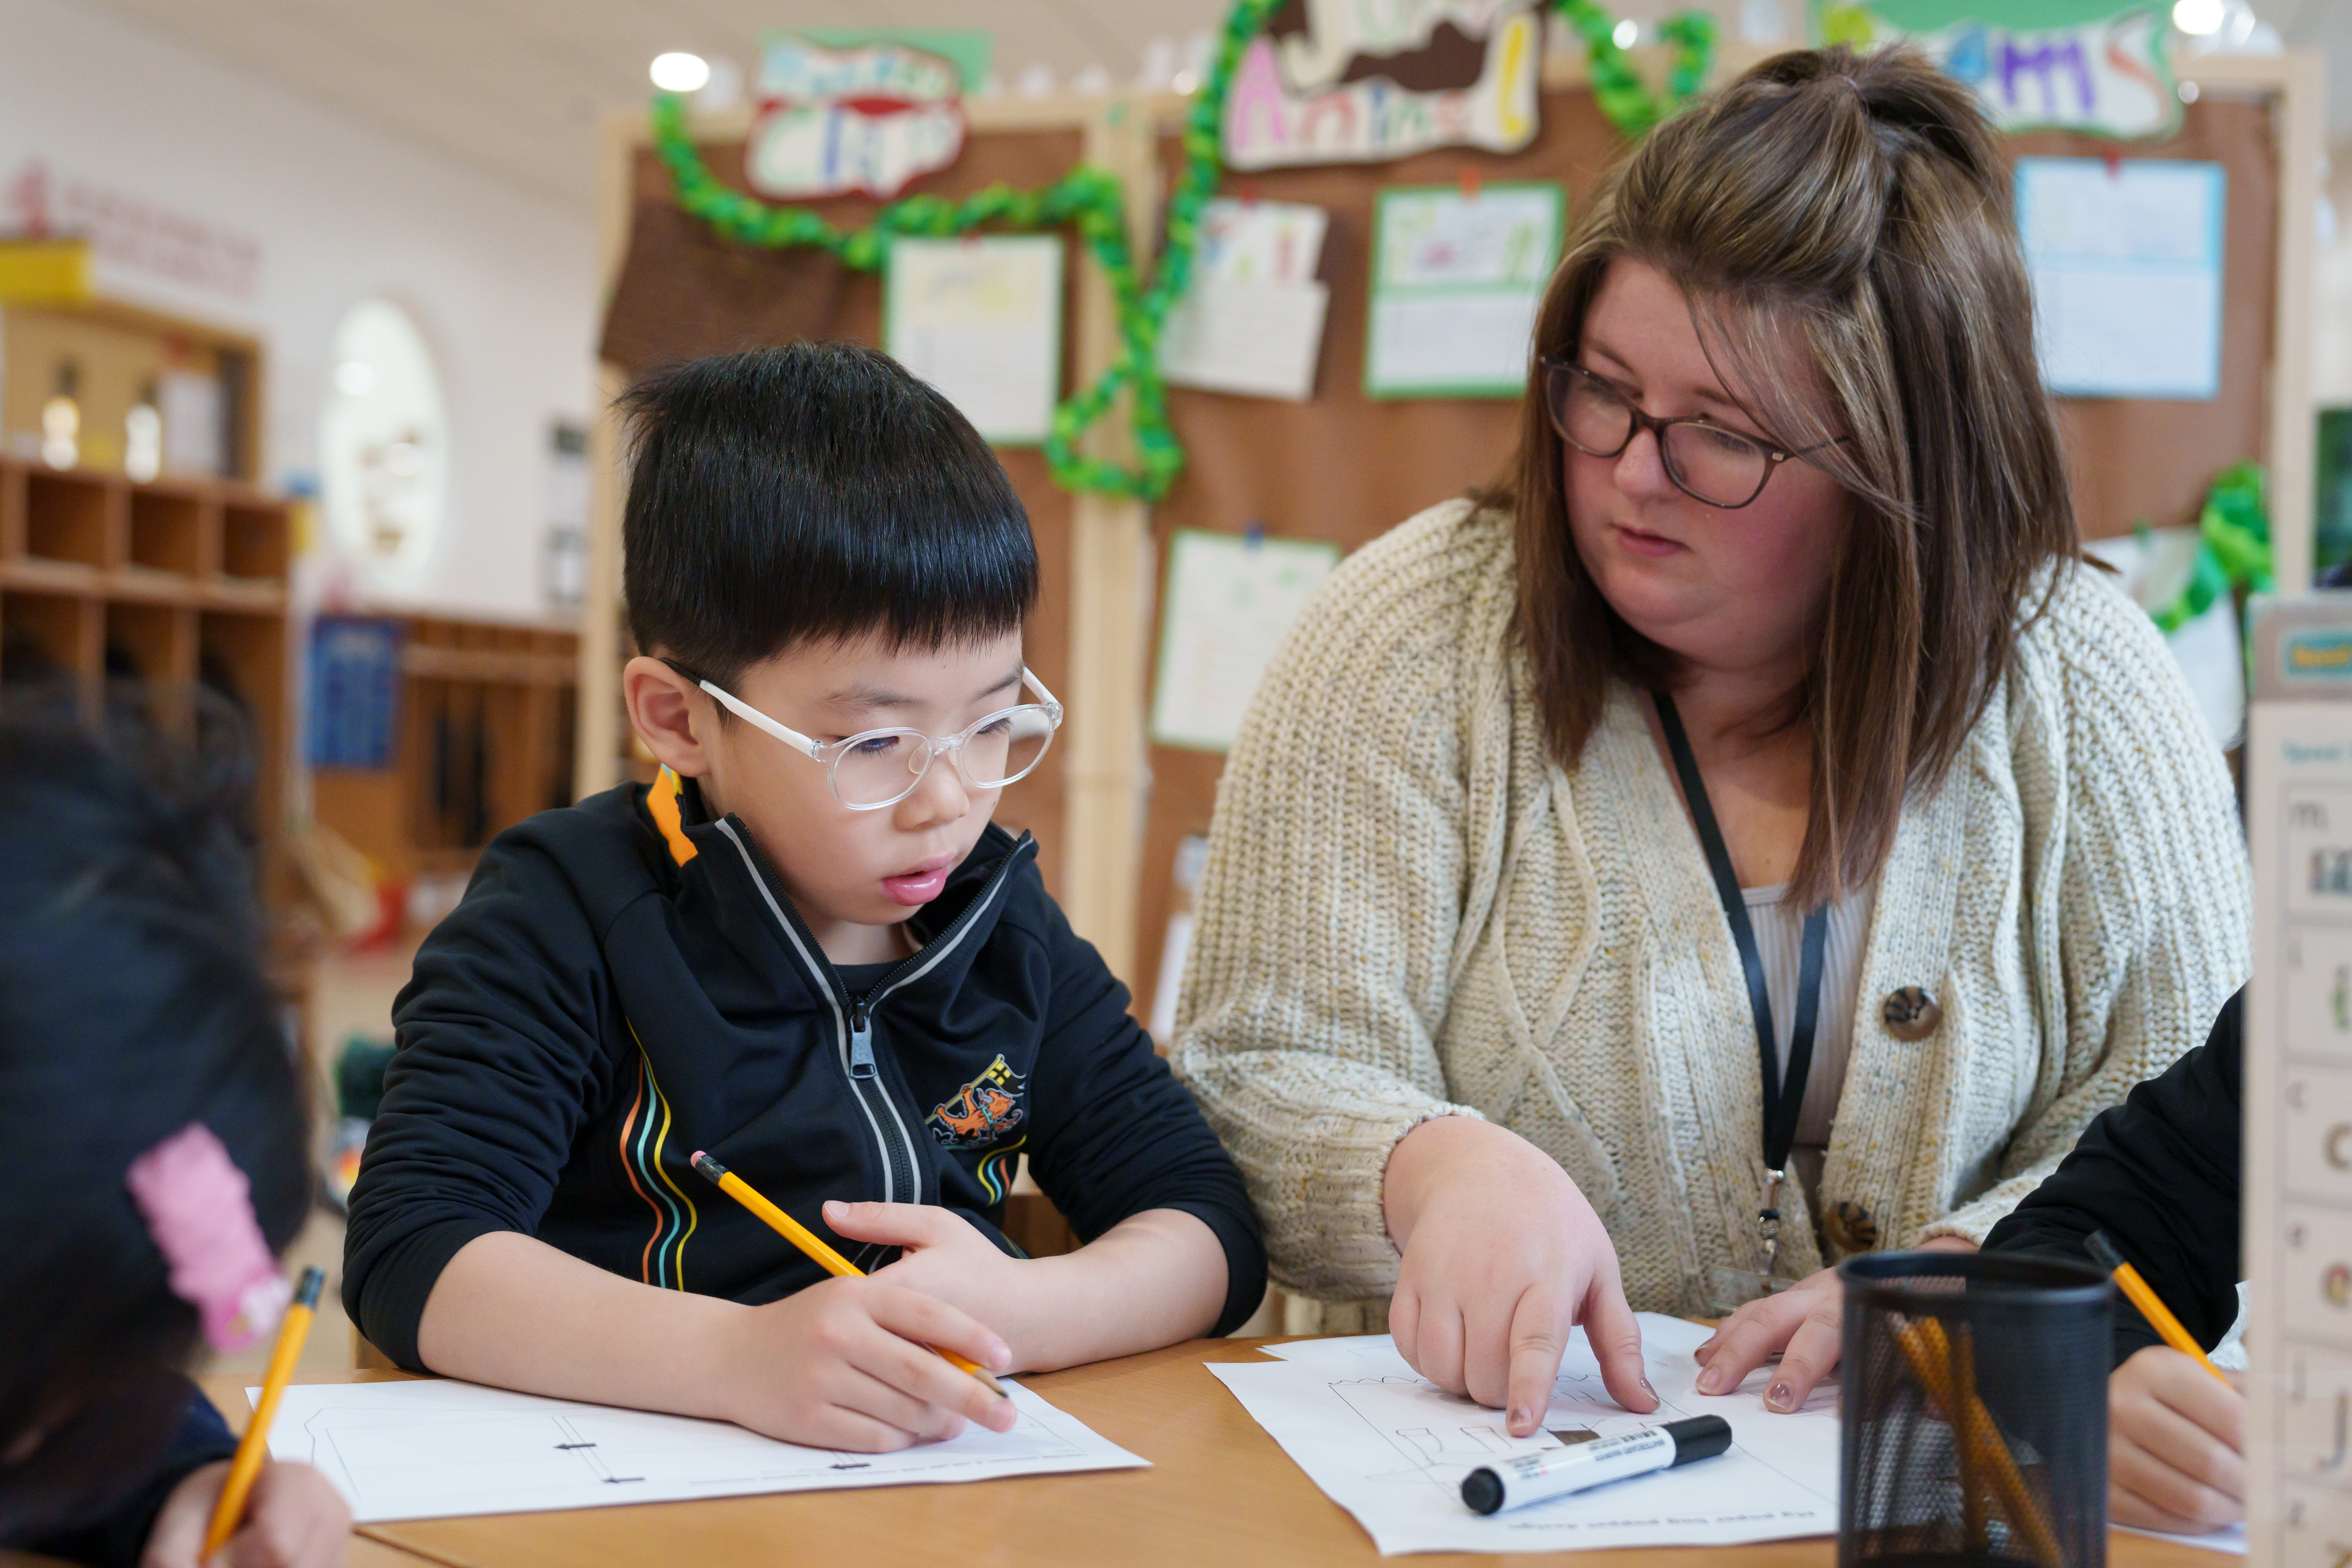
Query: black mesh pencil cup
<point>1974,1394</point>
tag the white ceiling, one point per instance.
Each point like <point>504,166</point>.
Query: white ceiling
<point>515,85</point>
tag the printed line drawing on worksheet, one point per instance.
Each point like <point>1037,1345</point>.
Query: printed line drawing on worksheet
<point>1392,1448</point>
<point>430,1450</point>
<point>1442,1436</point>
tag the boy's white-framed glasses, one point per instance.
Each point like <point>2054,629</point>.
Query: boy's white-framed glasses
<point>875,768</point>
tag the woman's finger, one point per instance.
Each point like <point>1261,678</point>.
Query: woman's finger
<point>1404,1322</point>
<point>1615,1336</point>
<point>1533,1342</point>
<point>1439,1343</point>
<point>1492,1326</point>
<point>1812,1354</point>
<point>1749,1338</point>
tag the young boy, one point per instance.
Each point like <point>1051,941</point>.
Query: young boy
<point>806,949</point>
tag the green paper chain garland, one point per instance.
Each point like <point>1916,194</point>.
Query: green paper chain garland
<point>2233,547</point>
<point>1093,200</point>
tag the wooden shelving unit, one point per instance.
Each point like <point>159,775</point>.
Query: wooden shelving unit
<point>175,583</point>
<point>486,739</point>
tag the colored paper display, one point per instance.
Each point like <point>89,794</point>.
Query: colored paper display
<point>1231,599</point>
<point>2108,77</point>
<point>1457,276</point>
<point>980,319</point>
<point>866,119</point>
<point>1252,321</point>
<point>2126,265</point>
<point>1343,83</point>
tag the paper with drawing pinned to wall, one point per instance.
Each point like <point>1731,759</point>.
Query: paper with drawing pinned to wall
<point>1231,600</point>
<point>2126,258</point>
<point>1251,322</point>
<point>979,318</point>
<point>1457,276</point>
<point>1392,1449</point>
<point>433,1449</point>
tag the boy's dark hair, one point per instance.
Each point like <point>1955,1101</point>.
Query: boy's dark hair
<point>132,1003</point>
<point>813,491</point>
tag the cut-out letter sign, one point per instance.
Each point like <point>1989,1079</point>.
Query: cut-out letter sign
<point>869,119</point>
<point>1334,81</point>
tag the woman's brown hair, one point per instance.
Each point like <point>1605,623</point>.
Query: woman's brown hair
<point>1855,207</point>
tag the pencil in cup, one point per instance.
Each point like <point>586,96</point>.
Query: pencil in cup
<point>1950,1383</point>
<point>2151,1306</point>
<point>809,1242</point>
<point>254,1446</point>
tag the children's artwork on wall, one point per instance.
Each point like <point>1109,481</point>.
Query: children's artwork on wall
<point>1230,601</point>
<point>1331,81</point>
<point>2126,259</point>
<point>869,119</point>
<point>1252,321</point>
<point>2106,76</point>
<point>1457,276</point>
<point>980,319</point>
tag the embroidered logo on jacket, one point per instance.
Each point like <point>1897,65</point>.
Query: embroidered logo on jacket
<point>981,1111</point>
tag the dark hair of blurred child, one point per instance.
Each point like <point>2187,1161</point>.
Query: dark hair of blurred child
<point>153,1156</point>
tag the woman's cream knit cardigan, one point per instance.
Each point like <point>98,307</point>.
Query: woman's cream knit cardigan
<point>1409,911</point>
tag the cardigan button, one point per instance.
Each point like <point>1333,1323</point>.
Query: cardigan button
<point>1912,1013</point>
<point>1850,1227</point>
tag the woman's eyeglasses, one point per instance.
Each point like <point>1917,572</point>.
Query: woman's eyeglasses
<point>1706,462</point>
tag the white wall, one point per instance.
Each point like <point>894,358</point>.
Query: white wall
<point>500,279</point>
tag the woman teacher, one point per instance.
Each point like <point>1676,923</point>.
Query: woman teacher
<point>1751,834</point>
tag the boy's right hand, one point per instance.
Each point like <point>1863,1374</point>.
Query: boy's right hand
<point>844,1365</point>
<point>2176,1445</point>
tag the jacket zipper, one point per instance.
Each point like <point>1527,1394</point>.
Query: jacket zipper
<point>854,1020</point>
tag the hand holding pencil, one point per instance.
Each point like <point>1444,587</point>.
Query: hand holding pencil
<point>996,1409</point>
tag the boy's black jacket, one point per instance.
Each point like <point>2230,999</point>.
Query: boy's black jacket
<point>604,1003</point>
<point>2160,1174</point>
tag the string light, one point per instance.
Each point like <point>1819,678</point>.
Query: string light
<point>2198,17</point>
<point>680,72</point>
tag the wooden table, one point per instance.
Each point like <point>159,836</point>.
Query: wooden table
<point>1220,1494</point>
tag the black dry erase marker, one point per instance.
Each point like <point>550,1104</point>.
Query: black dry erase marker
<point>1555,1472</point>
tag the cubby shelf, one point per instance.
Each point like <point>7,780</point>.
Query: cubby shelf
<point>483,738</point>
<point>177,582</point>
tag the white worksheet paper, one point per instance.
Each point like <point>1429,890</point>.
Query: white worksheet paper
<point>433,1449</point>
<point>1392,1449</point>
<point>2126,259</point>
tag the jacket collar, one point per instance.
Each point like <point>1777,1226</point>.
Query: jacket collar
<point>705,852</point>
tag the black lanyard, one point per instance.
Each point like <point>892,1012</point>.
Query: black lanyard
<point>1784,1093</point>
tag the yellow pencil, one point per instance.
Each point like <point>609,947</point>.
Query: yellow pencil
<point>254,1447</point>
<point>2151,1306</point>
<point>808,1241</point>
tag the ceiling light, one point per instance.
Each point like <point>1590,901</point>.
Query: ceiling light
<point>677,72</point>
<point>2198,17</point>
<point>1628,32</point>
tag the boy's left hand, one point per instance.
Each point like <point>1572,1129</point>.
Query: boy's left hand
<point>294,1518</point>
<point>945,1256</point>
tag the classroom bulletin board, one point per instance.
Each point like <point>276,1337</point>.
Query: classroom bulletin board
<point>683,292</point>
<point>1345,468</point>
<point>1342,469</point>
